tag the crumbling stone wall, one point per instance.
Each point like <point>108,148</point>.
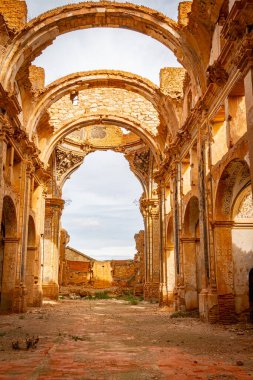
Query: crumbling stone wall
<point>77,273</point>
<point>14,13</point>
<point>108,101</point>
<point>83,271</point>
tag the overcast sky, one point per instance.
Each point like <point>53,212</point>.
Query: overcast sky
<point>102,217</point>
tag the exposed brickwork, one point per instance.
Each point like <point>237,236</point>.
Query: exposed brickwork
<point>227,308</point>
<point>184,8</point>
<point>37,78</point>
<point>105,101</point>
<point>171,81</point>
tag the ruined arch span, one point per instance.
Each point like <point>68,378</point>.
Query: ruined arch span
<point>96,79</point>
<point>40,32</point>
<point>130,124</point>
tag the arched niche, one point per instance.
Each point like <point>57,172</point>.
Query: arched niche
<point>231,239</point>
<point>9,245</point>
<point>232,180</point>
<point>242,248</point>
<point>191,254</point>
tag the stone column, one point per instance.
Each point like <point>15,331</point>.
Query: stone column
<point>190,272</point>
<point>152,250</point>
<point>169,273</point>
<point>179,291</point>
<point>3,150</point>
<point>24,213</point>
<point>50,249</point>
<point>163,233</point>
<point>39,209</point>
<point>208,303</point>
<point>225,270</point>
<point>248,85</point>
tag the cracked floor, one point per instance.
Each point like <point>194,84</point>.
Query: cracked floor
<point>111,339</point>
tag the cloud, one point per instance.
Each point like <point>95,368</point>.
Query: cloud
<point>102,212</point>
<point>167,7</point>
<point>105,48</point>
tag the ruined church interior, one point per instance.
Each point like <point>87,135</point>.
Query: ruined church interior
<point>188,140</point>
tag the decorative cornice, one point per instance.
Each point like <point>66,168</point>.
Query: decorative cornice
<point>55,203</point>
<point>217,74</point>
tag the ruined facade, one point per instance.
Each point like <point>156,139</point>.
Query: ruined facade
<point>189,142</point>
<point>81,273</point>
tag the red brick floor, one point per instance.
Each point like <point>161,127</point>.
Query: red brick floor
<point>113,340</point>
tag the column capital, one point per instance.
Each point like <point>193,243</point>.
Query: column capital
<point>149,206</point>
<point>55,203</point>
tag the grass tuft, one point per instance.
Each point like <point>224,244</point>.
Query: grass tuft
<point>185,314</point>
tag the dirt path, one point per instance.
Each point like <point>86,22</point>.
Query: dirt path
<point>111,339</point>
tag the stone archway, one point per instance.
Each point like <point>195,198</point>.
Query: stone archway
<point>234,179</point>
<point>191,257</point>
<point>41,32</point>
<point>9,245</point>
<point>127,123</point>
<point>94,79</point>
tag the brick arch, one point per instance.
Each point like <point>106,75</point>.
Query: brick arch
<point>96,79</point>
<point>40,32</point>
<point>102,101</point>
<point>233,179</point>
<point>128,123</point>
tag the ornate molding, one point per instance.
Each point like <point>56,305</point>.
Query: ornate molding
<point>245,209</point>
<point>244,57</point>
<point>141,162</point>
<point>235,30</point>
<point>66,160</point>
<point>149,207</point>
<point>217,74</point>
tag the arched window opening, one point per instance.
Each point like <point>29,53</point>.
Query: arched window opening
<point>74,97</point>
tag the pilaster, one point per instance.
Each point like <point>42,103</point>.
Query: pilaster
<point>50,255</point>
<point>150,211</point>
